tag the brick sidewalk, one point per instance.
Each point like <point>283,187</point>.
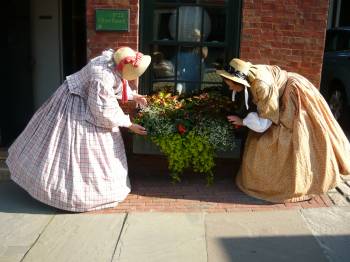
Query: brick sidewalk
<point>152,190</point>
<point>192,195</point>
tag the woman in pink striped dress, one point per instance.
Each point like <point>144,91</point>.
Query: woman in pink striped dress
<point>71,154</point>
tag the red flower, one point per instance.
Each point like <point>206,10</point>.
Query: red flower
<point>181,128</point>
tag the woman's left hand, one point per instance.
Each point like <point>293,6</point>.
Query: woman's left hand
<point>235,120</point>
<point>141,100</point>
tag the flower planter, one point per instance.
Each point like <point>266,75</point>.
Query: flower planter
<point>143,145</point>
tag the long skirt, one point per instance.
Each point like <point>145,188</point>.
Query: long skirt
<point>300,157</point>
<point>66,162</point>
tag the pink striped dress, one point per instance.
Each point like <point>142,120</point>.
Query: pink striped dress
<point>71,154</point>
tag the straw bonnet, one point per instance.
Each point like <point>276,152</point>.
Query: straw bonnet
<point>237,71</point>
<point>130,63</point>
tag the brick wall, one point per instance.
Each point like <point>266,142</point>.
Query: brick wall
<point>98,41</point>
<point>288,33</point>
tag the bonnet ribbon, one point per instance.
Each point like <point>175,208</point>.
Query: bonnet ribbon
<point>127,60</point>
<point>246,96</point>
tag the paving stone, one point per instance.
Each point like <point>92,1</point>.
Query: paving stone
<point>331,228</point>
<point>347,182</point>
<point>344,189</point>
<point>346,178</point>
<point>338,199</point>
<point>159,237</point>
<point>78,237</point>
<point>333,190</point>
<point>260,236</point>
<point>19,232</point>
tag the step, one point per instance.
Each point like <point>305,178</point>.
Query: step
<point>4,171</point>
<point>3,153</point>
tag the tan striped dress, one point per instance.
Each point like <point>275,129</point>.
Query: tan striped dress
<point>304,151</point>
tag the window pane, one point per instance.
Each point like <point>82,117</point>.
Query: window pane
<point>330,41</point>
<point>163,62</point>
<point>188,1</point>
<point>161,23</point>
<point>190,24</point>
<point>218,24</point>
<point>185,88</point>
<point>166,1</point>
<point>211,2</point>
<point>213,61</point>
<point>163,87</point>
<point>215,58</point>
<point>189,67</point>
<point>343,41</point>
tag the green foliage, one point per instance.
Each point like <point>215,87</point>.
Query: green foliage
<point>187,151</point>
<point>189,130</point>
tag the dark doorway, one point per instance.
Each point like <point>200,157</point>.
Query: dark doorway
<point>74,35</point>
<point>17,92</point>
<point>16,100</point>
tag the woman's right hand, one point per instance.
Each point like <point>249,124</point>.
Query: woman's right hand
<point>235,120</point>
<point>137,129</point>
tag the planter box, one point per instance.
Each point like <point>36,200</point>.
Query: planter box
<point>142,145</point>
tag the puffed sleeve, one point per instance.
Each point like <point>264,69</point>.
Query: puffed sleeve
<point>256,123</point>
<point>103,106</point>
<point>265,96</point>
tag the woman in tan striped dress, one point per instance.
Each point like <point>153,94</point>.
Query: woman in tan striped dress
<point>295,148</point>
<point>71,154</point>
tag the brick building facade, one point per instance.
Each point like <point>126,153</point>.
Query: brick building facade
<point>286,33</point>
<point>290,34</point>
<point>97,41</point>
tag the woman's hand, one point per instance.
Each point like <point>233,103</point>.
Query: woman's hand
<point>139,99</point>
<point>137,129</point>
<point>235,120</point>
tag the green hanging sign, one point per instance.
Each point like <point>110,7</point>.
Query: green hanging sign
<point>112,20</point>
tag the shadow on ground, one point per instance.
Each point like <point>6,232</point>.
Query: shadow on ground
<point>192,187</point>
<point>13,199</point>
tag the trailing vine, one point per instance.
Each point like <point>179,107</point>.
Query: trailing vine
<point>188,131</point>
<point>184,151</point>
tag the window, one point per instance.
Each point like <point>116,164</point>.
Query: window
<point>188,40</point>
<point>343,41</point>
<point>337,40</point>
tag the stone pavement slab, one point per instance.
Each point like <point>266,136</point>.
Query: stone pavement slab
<point>159,237</point>
<point>19,232</point>
<point>78,237</point>
<point>22,220</point>
<point>331,227</point>
<point>260,236</point>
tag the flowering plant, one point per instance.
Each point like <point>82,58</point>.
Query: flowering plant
<point>189,131</point>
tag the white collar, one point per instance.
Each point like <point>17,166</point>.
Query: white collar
<point>108,53</point>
